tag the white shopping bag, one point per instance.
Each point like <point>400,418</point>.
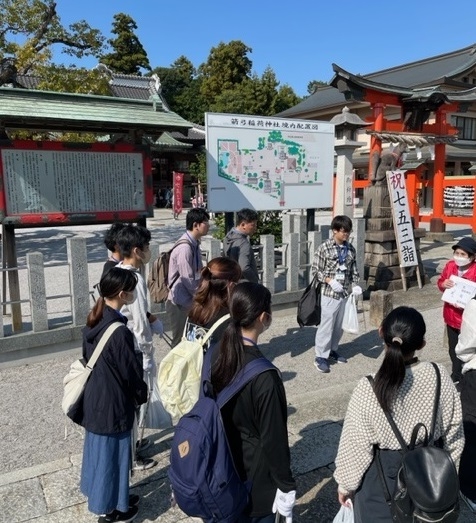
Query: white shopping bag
<point>350,323</point>
<point>345,514</point>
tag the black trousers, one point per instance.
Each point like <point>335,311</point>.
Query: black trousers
<point>456,363</point>
<point>467,468</point>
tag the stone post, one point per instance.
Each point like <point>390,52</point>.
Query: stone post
<point>292,260</point>
<point>314,240</point>
<point>267,243</point>
<point>358,241</point>
<point>212,246</point>
<point>299,226</point>
<point>78,270</point>
<point>36,282</point>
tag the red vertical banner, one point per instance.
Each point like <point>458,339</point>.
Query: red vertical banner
<point>178,193</point>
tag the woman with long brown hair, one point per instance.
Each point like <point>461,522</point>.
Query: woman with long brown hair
<point>210,302</point>
<point>111,396</point>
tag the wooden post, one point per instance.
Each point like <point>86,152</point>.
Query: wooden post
<point>10,254</point>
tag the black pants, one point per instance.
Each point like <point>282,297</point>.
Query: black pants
<point>456,363</point>
<point>467,468</point>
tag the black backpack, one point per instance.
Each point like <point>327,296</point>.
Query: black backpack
<point>309,305</point>
<point>427,485</point>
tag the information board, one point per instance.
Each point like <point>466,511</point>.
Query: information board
<point>268,163</point>
<point>55,183</point>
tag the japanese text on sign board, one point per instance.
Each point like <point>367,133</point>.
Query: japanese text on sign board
<point>401,219</point>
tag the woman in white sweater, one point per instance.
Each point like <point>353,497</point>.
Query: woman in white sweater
<point>405,387</point>
<point>466,352</point>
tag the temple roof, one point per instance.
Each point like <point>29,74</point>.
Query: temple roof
<point>429,72</point>
<point>52,111</point>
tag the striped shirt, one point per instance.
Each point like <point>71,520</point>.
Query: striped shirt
<point>327,260</point>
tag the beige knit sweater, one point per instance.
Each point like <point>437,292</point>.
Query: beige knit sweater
<point>365,424</point>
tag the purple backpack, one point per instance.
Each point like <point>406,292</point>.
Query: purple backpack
<point>202,474</point>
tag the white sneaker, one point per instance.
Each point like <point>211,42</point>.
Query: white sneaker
<point>471,504</point>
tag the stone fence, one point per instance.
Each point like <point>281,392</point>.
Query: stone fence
<point>284,269</point>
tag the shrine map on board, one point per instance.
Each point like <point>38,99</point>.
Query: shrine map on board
<point>268,163</point>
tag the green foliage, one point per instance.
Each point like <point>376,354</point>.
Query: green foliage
<point>314,85</point>
<point>181,89</point>
<point>198,168</point>
<point>73,80</point>
<point>269,222</point>
<point>227,65</point>
<point>30,28</point>
<point>128,55</point>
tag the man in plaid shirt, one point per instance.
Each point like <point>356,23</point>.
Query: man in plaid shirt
<point>335,265</point>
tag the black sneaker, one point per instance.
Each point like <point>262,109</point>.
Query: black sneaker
<point>144,464</point>
<point>143,444</point>
<point>337,357</point>
<point>133,500</point>
<point>117,515</point>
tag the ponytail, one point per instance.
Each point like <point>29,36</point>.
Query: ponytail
<point>403,331</point>
<point>95,315</point>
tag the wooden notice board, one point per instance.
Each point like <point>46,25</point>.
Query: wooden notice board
<point>402,224</point>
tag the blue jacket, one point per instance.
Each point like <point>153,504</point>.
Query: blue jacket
<point>115,386</point>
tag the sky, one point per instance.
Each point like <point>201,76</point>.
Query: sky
<point>299,40</point>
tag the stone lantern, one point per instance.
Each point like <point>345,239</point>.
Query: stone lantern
<point>346,125</point>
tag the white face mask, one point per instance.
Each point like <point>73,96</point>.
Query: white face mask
<point>129,297</point>
<point>460,261</point>
<point>145,257</point>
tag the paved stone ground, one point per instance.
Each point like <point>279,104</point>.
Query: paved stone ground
<point>40,467</point>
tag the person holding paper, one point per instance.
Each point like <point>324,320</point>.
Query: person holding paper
<point>462,265</point>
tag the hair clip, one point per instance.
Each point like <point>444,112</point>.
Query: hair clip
<point>397,339</point>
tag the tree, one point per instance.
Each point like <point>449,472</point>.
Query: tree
<point>30,28</point>
<point>226,66</point>
<point>314,85</point>
<point>128,55</point>
<point>181,89</point>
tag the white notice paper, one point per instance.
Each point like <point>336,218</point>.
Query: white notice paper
<point>460,294</point>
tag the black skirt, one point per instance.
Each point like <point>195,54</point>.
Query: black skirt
<point>369,502</point>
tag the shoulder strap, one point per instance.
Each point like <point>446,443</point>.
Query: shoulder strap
<point>397,433</point>
<point>179,242</point>
<point>100,346</point>
<point>436,403</point>
<point>213,328</point>
<point>244,376</point>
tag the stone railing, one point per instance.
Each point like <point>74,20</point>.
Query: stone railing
<point>284,270</point>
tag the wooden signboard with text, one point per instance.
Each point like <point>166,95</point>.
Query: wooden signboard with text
<point>402,225</point>
<point>56,183</point>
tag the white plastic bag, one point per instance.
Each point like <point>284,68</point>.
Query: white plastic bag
<point>152,414</point>
<point>345,514</point>
<point>350,323</point>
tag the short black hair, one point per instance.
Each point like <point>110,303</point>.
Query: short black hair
<point>110,238</point>
<point>341,222</point>
<point>196,216</point>
<point>131,236</point>
<point>246,215</point>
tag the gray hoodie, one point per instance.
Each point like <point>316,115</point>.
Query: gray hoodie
<point>236,246</point>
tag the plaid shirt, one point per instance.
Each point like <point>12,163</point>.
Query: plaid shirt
<point>326,264</point>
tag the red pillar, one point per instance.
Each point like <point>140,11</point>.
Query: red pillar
<point>436,222</point>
